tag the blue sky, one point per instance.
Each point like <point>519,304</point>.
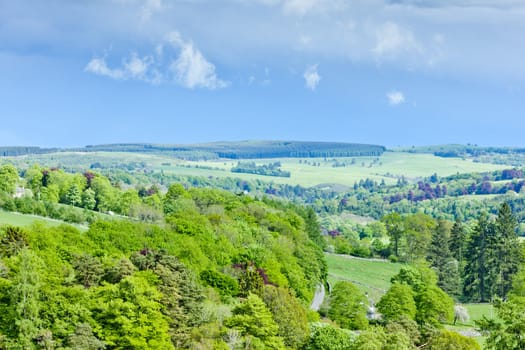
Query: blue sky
<point>390,72</point>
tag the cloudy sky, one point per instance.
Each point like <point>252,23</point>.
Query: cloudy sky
<point>391,72</point>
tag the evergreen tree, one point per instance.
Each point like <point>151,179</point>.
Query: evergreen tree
<point>458,237</point>
<point>506,251</point>
<point>476,284</point>
<point>440,259</point>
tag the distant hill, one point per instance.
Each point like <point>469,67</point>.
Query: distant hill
<point>230,150</point>
<point>456,150</point>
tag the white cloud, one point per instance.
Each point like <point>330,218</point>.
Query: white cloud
<point>188,67</point>
<point>393,40</point>
<point>149,8</point>
<point>395,97</point>
<point>311,77</point>
<point>192,70</point>
<point>98,66</point>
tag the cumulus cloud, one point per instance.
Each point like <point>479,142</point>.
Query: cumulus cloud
<point>311,77</point>
<point>179,62</point>
<point>395,97</point>
<point>192,70</point>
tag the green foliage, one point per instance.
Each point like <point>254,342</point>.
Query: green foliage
<point>327,337</point>
<point>226,285</point>
<point>440,259</point>
<point>434,306</point>
<point>398,302</point>
<point>253,320</point>
<point>448,340</point>
<point>289,314</point>
<point>8,178</point>
<point>507,333</point>
<point>348,306</point>
<point>129,314</point>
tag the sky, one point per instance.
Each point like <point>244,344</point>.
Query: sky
<point>388,72</point>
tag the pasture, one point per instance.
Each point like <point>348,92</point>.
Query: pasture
<point>24,220</point>
<point>306,172</point>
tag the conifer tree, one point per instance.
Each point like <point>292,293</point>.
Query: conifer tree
<point>506,255</point>
<point>476,273</point>
<point>440,259</point>
<point>458,237</point>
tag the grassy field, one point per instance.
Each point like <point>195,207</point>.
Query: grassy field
<point>371,276</point>
<point>387,167</point>
<point>23,220</point>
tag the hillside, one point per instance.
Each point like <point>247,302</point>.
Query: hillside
<point>229,150</point>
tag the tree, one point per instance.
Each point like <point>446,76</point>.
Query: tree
<point>88,199</point>
<point>446,340</point>
<point>8,178</point>
<point>83,339</point>
<point>253,319</point>
<point>394,228</point>
<point>506,251</point>
<point>348,306</point>
<point>507,332</point>
<point>458,237</point>
<point>434,307</point>
<point>398,302</point>
<point>289,315</point>
<point>129,314</point>
<point>440,259</point>
<point>74,196</point>
<point>476,275</point>
<point>327,337</point>
<point>25,295</point>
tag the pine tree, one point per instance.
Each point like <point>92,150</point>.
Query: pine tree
<point>506,251</point>
<point>440,259</point>
<point>476,284</point>
<point>458,237</point>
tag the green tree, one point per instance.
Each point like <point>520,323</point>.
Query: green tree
<point>25,298</point>
<point>458,238</point>
<point>83,339</point>
<point>253,319</point>
<point>348,306</point>
<point>395,229</point>
<point>506,251</point>
<point>129,314</point>
<point>440,258</point>
<point>74,196</point>
<point>327,337</point>
<point>448,340</point>
<point>398,302</point>
<point>507,332</point>
<point>88,199</point>
<point>289,315</point>
<point>434,307</point>
<point>476,284</point>
<point>8,178</point>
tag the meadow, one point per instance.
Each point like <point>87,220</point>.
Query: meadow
<point>26,220</point>
<point>306,172</point>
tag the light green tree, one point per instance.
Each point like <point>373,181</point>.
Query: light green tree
<point>348,306</point>
<point>8,178</point>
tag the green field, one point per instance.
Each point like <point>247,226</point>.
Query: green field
<point>387,167</point>
<point>371,276</point>
<point>24,220</point>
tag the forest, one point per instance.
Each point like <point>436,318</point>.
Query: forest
<point>166,262</point>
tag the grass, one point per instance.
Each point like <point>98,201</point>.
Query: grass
<point>24,220</point>
<point>387,167</point>
<point>371,276</point>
